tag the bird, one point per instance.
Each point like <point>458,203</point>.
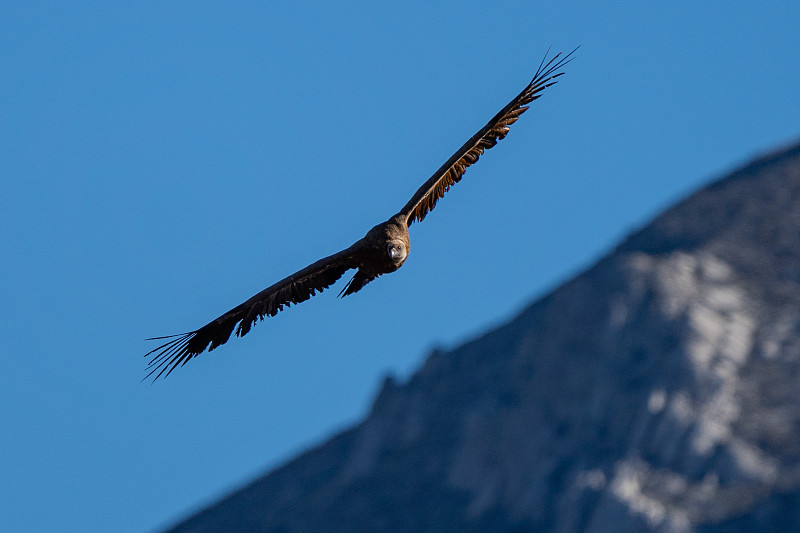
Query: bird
<point>383,250</point>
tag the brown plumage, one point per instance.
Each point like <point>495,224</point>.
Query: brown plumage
<point>382,250</point>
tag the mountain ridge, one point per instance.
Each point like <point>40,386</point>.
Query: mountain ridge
<point>652,391</point>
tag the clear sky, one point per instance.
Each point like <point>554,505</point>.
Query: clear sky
<point>163,161</point>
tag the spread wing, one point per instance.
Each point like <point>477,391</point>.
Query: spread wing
<point>424,200</point>
<point>294,289</point>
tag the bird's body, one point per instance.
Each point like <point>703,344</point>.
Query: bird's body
<point>382,250</point>
<point>386,248</point>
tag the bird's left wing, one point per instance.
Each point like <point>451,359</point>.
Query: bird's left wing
<point>424,200</point>
<point>294,289</point>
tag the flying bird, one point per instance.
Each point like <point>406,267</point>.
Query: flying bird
<point>382,250</point>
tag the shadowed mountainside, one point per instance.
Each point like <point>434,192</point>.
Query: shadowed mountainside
<point>656,391</point>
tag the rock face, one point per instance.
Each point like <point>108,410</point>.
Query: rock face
<point>657,391</point>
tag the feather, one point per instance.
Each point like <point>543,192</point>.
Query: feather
<point>294,289</point>
<point>426,197</point>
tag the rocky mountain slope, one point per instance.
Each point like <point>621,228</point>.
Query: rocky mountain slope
<point>657,391</point>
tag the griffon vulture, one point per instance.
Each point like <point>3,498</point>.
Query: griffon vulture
<point>382,250</point>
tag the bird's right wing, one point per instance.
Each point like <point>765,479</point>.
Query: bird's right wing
<point>294,289</point>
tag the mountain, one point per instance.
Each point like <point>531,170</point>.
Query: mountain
<point>659,390</point>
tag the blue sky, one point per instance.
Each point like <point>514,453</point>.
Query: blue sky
<point>162,162</point>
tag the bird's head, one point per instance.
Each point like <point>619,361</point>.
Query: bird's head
<point>397,250</point>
